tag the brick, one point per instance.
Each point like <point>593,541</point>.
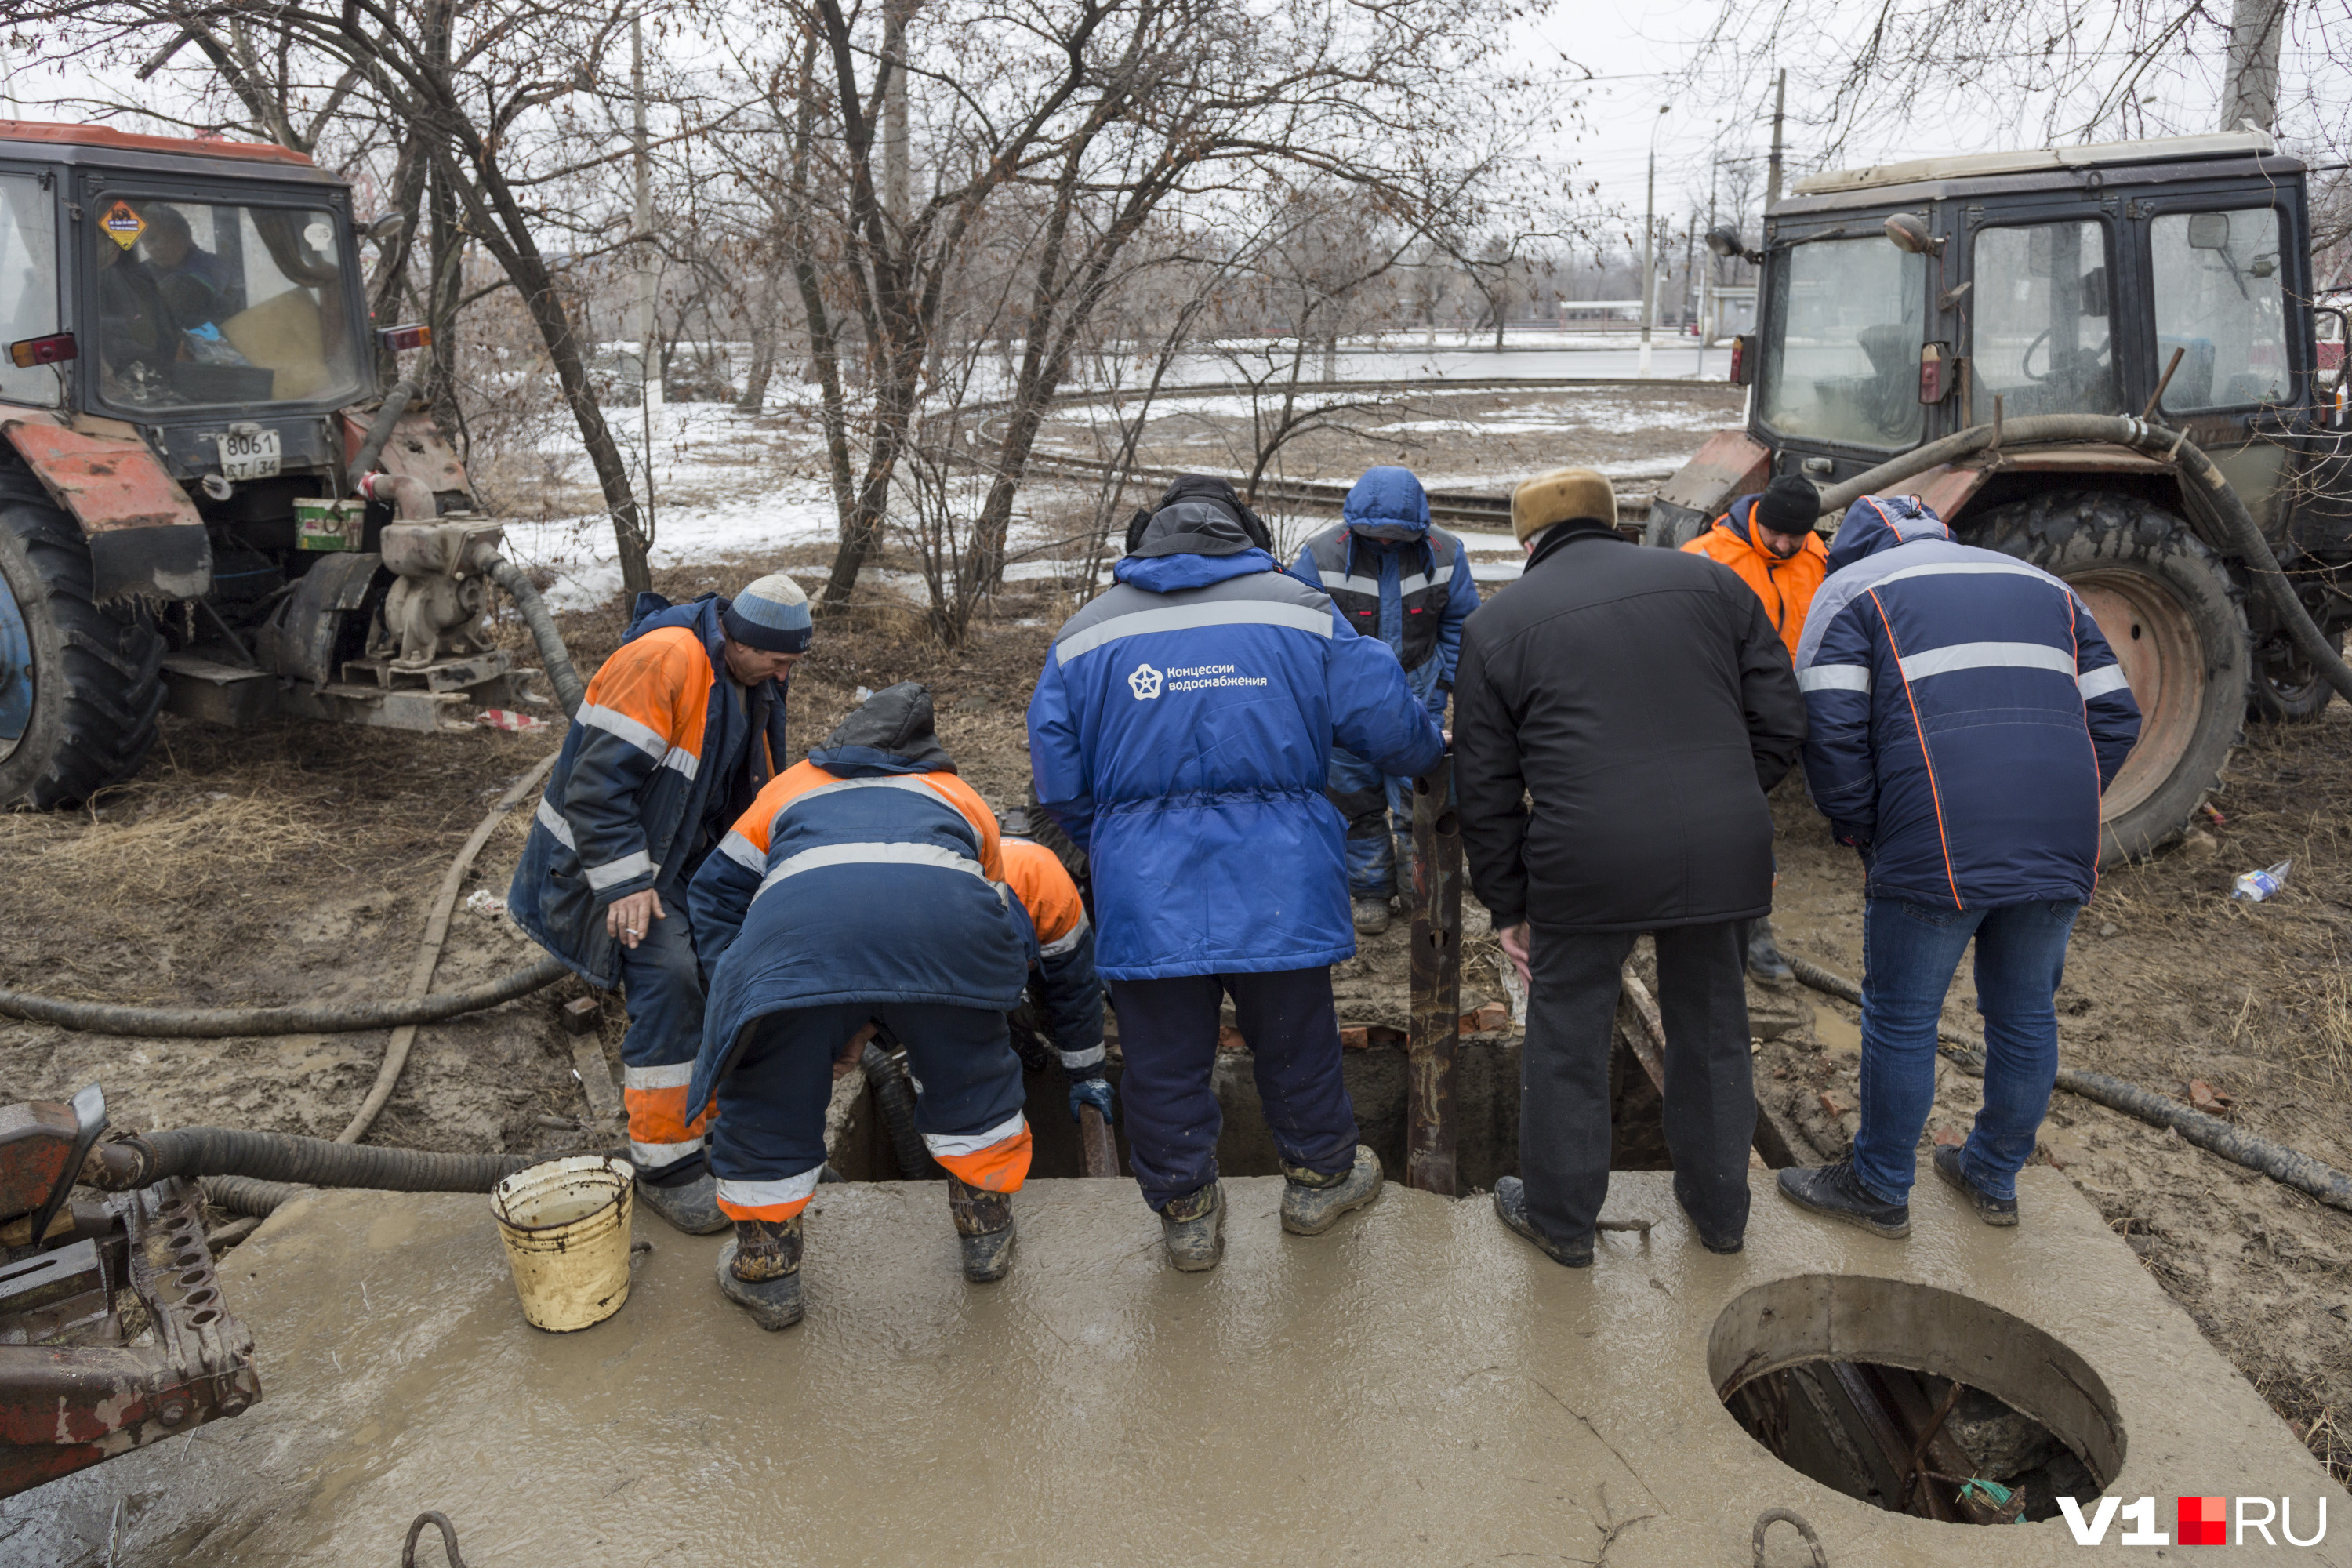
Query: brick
<point>1831,1106</point>
<point>579,1015</point>
<point>1355,1039</point>
<point>1230,1040</point>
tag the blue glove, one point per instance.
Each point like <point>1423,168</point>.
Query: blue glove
<point>1094,1092</point>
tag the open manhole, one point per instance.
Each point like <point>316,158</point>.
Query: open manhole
<point>1917,1400</point>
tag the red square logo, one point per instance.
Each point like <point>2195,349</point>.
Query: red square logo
<point>2204,1521</point>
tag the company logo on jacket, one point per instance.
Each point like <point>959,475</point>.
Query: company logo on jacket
<point>1144,682</point>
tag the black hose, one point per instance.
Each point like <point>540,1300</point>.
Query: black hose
<point>387,415</point>
<point>2122,430</point>
<point>245,1195</point>
<point>896,1097</point>
<point>2276,1160</point>
<point>145,1157</point>
<point>570,689</point>
<point>213,1024</point>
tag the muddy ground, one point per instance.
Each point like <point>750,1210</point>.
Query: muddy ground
<point>296,862</point>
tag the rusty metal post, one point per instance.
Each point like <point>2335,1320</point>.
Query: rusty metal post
<point>1098,1148</point>
<point>1433,1034</point>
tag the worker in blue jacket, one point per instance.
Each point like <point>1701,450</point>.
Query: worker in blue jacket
<point>1963,716</point>
<point>1180,734</point>
<point>1393,576</point>
<point>864,886</point>
<point>677,733</point>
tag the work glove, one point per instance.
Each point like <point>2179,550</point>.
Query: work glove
<point>1094,1092</point>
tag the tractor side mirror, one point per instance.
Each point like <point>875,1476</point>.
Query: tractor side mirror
<point>2208,231</point>
<point>385,227</point>
<point>55,349</point>
<point>1908,232</point>
<point>1743,359</point>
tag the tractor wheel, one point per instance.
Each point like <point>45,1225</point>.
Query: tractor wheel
<point>79,684</point>
<point>2287,690</point>
<point>2169,608</point>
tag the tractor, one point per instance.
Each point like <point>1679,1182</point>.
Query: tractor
<point>198,510</point>
<point>2167,280</point>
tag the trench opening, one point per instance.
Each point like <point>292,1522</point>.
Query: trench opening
<point>1914,1399</point>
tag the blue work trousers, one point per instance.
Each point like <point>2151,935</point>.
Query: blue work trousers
<point>1378,809</point>
<point>1168,1034</point>
<point>1909,954</point>
<point>661,984</point>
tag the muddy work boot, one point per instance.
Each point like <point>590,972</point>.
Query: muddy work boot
<point>1836,1193</point>
<point>691,1206</point>
<point>1371,915</point>
<point>1990,1209</point>
<point>983,1222</point>
<point>760,1270</point>
<point>1511,1208</point>
<point>1194,1228</point>
<point>1765,963</point>
<point>1312,1202</point>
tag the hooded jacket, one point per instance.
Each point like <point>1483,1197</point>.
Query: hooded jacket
<point>1180,734</point>
<point>660,757</point>
<point>1643,701</point>
<point>1395,577</point>
<point>1964,714</point>
<point>869,872</point>
<point>1786,583</point>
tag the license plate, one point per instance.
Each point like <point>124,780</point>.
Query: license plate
<point>253,455</point>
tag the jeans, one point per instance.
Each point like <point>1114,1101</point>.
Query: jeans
<point>1167,1031</point>
<point>1710,1110</point>
<point>1909,952</point>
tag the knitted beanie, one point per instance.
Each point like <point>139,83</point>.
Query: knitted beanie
<point>771,615</point>
<point>1790,505</point>
<point>1563,495</point>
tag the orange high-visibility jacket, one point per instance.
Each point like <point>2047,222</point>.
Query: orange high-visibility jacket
<point>1787,587</point>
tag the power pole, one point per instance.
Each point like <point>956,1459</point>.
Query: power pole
<point>895,196</point>
<point>649,380</point>
<point>1649,271</point>
<point>1690,277</point>
<point>2251,90</point>
<point>1779,112</point>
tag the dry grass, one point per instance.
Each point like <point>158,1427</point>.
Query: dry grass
<point>167,845</point>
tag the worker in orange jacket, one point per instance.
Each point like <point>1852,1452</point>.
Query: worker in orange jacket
<point>1767,539</point>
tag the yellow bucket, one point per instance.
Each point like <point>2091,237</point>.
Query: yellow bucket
<point>566,1228</point>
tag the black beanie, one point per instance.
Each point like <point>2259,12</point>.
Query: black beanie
<point>1790,505</point>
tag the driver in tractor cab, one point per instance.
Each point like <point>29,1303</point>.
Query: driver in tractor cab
<point>1767,539</point>
<point>678,734</point>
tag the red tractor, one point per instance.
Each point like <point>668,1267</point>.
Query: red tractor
<point>198,509</point>
<point>2167,280</point>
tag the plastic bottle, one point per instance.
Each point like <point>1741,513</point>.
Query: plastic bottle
<point>2255,885</point>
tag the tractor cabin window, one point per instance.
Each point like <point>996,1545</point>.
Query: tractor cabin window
<point>2042,305</point>
<point>1843,360</point>
<point>210,302</point>
<point>28,286</point>
<point>2219,301</point>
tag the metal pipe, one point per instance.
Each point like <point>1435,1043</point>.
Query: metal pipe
<point>1432,1034</point>
<point>2214,490</point>
<point>406,494</point>
<point>1096,1149</point>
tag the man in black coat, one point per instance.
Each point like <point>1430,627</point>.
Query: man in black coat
<point>1619,714</point>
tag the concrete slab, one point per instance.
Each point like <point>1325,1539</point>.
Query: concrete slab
<point>1417,1387</point>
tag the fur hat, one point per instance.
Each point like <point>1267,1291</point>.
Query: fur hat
<point>1563,495</point>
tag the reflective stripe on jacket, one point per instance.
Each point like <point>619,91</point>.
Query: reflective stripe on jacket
<point>1787,585</point>
<point>1963,714</point>
<point>658,758</point>
<point>1417,612</point>
<point>879,886</point>
<point>1062,974</point>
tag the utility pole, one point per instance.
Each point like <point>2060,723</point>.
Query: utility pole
<point>2251,90</point>
<point>895,198</point>
<point>1690,289</point>
<point>1779,112</point>
<point>649,380</point>
<point>1649,245</point>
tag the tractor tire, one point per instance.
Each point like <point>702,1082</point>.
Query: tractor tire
<point>2286,689</point>
<point>79,682</point>
<point>2177,623</point>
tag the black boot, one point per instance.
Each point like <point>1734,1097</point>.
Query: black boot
<point>1194,1228</point>
<point>1835,1191</point>
<point>1765,963</point>
<point>1312,1200</point>
<point>1511,1208</point>
<point>760,1270</point>
<point>983,1222</point>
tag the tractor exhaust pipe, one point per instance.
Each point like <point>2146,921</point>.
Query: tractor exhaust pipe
<point>2211,489</point>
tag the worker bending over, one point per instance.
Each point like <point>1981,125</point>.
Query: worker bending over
<point>861,888</point>
<point>1394,577</point>
<point>1767,539</point>
<point>1179,734</point>
<point>676,734</point>
<point>1064,999</point>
